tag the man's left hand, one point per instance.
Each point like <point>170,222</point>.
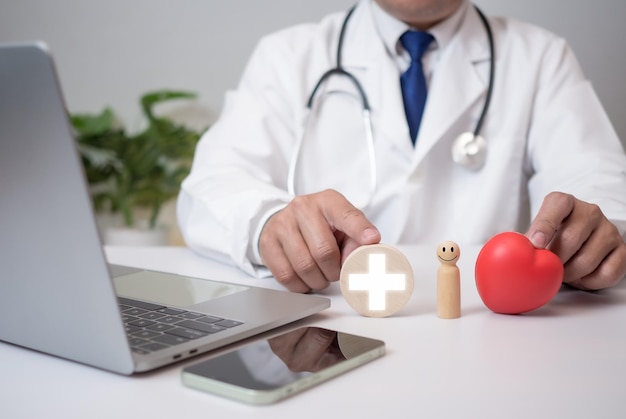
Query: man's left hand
<point>591,248</point>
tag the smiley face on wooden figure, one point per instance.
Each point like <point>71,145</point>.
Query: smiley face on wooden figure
<point>448,281</point>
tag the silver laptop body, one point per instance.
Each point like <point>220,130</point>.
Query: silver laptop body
<point>57,292</point>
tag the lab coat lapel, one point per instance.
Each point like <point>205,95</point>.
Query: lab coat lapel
<point>366,57</point>
<point>459,80</point>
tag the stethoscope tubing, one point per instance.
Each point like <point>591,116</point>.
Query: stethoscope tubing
<point>472,140</point>
<point>492,71</point>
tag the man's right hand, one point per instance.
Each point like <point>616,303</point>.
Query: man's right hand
<point>307,349</point>
<point>304,244</point>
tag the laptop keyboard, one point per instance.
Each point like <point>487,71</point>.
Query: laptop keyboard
<point>152,327</point>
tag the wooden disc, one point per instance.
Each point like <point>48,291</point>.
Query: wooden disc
<point>376,280</point>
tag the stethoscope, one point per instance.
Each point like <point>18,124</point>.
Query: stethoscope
<point>469,150</point>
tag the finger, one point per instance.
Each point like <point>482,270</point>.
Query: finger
<point>284,345</point>
<point>352,228</point>
<point>601,242</point>
<point>609,273</point>
<point>322,245</point>
<point>584,223</point>
<point>329,216</point>
<point>277,262</point>
<point>273,253</point>
<point>304,263</point>
<point>305,231</point>
<point>345,217</point>
<point>348,247</point>
<point>313,346</point>
<point>303,266</point>
<point>555,208</point>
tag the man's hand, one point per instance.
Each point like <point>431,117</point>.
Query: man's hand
<point>307,349</point>
<point>590,246</point>
<point>304,244</point>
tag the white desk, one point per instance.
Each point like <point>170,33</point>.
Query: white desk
<point>565,360</point>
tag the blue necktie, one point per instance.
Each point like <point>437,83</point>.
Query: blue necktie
<point>412,80</point>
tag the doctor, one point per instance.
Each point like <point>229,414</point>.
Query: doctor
<point>553,166</point>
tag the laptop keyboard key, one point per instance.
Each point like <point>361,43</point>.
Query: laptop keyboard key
<point>140,304</point>
<point>137,341</point>
<point>190,315</point>
<point>132,329</point>
<point>152,327</point>
<point>142,323</point>
<point>170,319</point>
<point>171,311</point>
<point>127,319</point>
<point>160,327</point>
<point>135,311</point>
<point>152,315</point>
<point>147,334</point>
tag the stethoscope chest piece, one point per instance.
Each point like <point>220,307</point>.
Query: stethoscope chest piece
<point>469,151</point>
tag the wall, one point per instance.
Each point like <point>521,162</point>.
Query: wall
<point>110,52</point>
<point>596,32</point>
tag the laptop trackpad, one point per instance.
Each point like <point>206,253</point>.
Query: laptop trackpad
<point>170,289</point>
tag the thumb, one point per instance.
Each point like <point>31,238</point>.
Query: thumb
<point>554,209</point>
<point>538,238</point>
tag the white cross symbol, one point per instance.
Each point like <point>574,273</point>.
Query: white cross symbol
<point>377,281</point>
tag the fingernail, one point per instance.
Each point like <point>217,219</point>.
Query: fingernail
<point>370,234</point>
<point>538,239</point>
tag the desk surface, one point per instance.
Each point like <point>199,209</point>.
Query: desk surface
<point>566,359</point>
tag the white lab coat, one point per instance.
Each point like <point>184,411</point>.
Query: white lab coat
<point>546,131</point>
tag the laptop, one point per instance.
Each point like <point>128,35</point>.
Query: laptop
<point>58,294</point>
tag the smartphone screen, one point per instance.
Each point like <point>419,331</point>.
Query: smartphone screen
<point>269,370</point>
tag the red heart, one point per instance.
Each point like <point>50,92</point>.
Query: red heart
<point>514,277</point>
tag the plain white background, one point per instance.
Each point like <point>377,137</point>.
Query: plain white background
<point>110,52</point>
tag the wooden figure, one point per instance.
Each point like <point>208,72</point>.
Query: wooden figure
<point>448,281</point>
<point>376,280</point>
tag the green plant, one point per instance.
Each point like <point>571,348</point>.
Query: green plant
<point>145,170</point>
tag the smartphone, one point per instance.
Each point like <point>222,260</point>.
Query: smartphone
<point>269,370</point>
